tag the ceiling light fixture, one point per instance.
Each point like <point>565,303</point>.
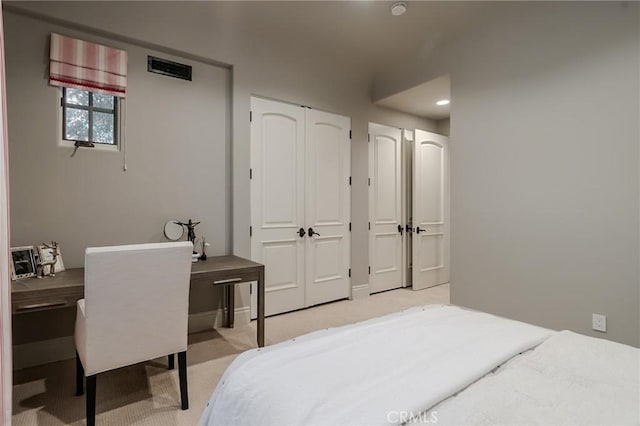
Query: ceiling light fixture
<point>398,8</point>
<point>443,102</point>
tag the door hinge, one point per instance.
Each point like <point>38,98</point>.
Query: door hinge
<point>250,116</point>
<point>369,226</point>
<point>369,270</point>
<point>369,181</point>
<point>369,137</point>
<point>349,134</point>
<point>349,226</point>
<point>251,231</point>
<point>250,174</point>
<point>250,289</point>
<point>349,272</point>
<point>349,180</point>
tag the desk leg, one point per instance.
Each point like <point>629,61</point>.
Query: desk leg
<point>261,285</point>
<point>231,305</point>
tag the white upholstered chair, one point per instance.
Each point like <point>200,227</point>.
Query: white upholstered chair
<point>135,309</point>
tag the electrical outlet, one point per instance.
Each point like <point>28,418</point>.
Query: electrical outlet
<point>599,323</point>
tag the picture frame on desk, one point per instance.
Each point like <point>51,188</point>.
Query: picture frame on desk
<point>45,254</point>
<point>23,262</point>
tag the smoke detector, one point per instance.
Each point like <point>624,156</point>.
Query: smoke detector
<point>398,8</point>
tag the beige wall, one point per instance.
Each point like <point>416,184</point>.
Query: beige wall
<point>545,164</point>
<point>178,155</point>
<point>443,126</point>
<point>176,144</point>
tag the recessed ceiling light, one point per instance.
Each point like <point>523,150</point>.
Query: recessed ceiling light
<point>398,8</point>
<point>443,102</point>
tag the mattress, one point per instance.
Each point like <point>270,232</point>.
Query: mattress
<point>370,373</point>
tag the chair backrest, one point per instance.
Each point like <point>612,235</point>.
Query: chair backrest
<point>136,302</point>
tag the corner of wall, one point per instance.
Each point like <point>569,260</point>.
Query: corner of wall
<point>360,291</point>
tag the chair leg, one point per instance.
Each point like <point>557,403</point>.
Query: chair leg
<point>79,376</point>
<point>231,305</point>
<point>182,372</point>
<point>172,361</point>
<point>91,400</point>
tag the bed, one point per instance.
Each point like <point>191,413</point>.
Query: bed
<point>436,365</point>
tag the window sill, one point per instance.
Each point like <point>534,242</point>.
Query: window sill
<point>97,146</point>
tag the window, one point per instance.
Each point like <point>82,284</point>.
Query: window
<point>89,116</point>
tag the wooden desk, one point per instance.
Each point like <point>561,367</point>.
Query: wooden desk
<point>66,288</point>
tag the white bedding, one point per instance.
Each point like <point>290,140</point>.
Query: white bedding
<point>367,373</point>
<point>569,379</point>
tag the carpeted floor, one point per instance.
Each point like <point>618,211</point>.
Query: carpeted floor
<point>148,393</point>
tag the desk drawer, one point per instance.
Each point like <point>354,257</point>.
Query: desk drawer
<point>224,279</point>
<point>34,304</point>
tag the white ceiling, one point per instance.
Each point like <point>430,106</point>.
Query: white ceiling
<point>421,100</point>
<point>362,32</point>
<point>360,36</point>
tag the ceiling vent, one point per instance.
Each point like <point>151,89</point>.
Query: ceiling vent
<point>168,68</point>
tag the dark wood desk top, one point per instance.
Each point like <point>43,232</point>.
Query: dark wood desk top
<point>68,278</point>
<point>68,286</point>
<point>223,265</point>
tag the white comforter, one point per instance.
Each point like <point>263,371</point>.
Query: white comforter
<point>568,380</point>
<point>368,373</point>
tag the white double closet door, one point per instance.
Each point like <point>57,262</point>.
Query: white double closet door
<point>408,209</point>
<point>300,204</point>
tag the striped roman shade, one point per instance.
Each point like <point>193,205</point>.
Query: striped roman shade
<point>87,66</point>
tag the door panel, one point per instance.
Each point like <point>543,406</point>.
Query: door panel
<point>277,206</point>
<point>281,256</point>
<point>431,248</point>
<point>385,177</point>
<point>430,210</point>
<point>279,170</point>
<point>328,206</point>
<point>385,208</point>
<point>431,180</point>
<point>385,259</point>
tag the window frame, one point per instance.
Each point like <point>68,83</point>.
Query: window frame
<point>90,109</point>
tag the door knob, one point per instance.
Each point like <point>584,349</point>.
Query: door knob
<point>418,230</point>
<point>301,232</point>
<point>312,232</point>
<point>400,229</point>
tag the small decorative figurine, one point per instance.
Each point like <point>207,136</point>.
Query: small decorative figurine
<point>191,233</point>
<point>42,264</point>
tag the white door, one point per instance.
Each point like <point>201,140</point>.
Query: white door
<point>327,206</point>
<point>385,208</point>
<point>430,210</point>
<point>277,201</point>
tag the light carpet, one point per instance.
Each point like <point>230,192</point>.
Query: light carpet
<point>148,393</point>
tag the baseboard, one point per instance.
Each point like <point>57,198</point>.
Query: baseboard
<point>202,321</point>
<point>43,352</point>
<point>242,316</point>
<point>359,291</point>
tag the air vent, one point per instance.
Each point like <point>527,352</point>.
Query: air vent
<point>168,68</point>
